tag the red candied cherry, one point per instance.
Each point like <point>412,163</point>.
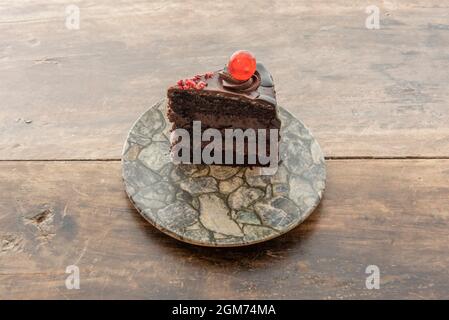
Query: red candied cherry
<point>242,65</point>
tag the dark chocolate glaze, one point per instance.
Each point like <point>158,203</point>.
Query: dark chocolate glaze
<point>259,88</point>
<point>230,83</point>
<point>265,77</point>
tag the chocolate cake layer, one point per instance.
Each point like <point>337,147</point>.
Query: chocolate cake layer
<point>185,102</point>
<point>219,121</point>
<point>233,150</point>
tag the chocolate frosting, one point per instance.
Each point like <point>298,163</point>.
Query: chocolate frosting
<point>240,86</point>
<point>265,77</point>
<point>260,87</point>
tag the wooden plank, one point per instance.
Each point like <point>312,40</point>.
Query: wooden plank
<point>389,213</point>
<point>362,92</point>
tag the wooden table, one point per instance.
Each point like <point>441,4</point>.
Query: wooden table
<point>377,101</point>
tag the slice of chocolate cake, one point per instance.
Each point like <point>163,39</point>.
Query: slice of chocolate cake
<point>225,101</point>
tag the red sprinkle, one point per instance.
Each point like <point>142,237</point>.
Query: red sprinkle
<point>190,83</point>
<point>200,85</point>
<point>195,82</point>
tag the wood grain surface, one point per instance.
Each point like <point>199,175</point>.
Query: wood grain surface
<point>389,213</point>
<point>372,93</point>
<point>376,100</point>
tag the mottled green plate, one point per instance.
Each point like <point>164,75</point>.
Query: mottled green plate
<point>221,206</point>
